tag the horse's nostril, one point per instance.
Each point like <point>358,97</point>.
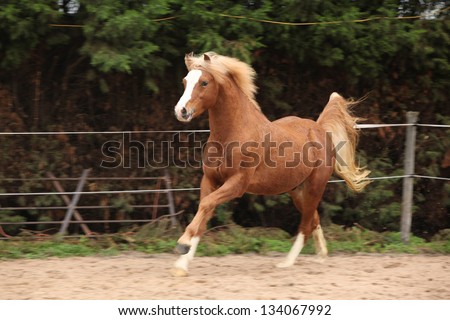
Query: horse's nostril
<point>183,112</point>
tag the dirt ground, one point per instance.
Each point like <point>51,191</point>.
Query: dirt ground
<point>250,276</point>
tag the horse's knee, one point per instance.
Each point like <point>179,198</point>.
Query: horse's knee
<point>206,206</point>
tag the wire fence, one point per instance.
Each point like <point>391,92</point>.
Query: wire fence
<point>168,190</point>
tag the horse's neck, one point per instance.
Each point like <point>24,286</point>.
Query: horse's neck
<point>234,115</point>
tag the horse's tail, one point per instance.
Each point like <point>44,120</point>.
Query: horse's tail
<point>337,120</point>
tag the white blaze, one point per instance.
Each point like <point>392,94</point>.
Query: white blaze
<point>191,80</point>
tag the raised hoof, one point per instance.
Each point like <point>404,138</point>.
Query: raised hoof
<point>182,248</point>
<point>178,272</point>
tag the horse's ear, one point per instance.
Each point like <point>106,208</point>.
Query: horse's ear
<point>206,58</point>
<point>188,60</point>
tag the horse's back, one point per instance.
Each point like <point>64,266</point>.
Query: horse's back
<point>295,121</point>
<point>298,126</point>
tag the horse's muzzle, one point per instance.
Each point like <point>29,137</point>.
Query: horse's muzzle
<point>184,114</point>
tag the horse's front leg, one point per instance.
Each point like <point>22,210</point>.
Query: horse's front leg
<point>181,265</point>
<point>188,242</point>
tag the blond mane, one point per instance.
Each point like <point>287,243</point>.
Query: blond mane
<point>221,66</point>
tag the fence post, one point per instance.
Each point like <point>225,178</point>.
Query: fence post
<point>168,184</point>
<point>66,200</point>
<point>73,203</point>
<point>408,181</point>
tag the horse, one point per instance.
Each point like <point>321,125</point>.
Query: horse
<point>247,153</point>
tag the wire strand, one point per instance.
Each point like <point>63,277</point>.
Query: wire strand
<point>359,126</point>
<point>285,23</point>
<point>187,189</point>
<point>98,132</point>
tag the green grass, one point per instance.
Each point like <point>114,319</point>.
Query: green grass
<point>230,240</point>
<point>14,249</point>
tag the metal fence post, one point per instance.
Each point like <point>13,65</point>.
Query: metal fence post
<point>74,202</point>
<point>168,184</point>
<point>408,181</point>
<point>66,200</point>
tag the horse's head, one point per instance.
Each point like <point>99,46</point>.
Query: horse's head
<point>200,92</point>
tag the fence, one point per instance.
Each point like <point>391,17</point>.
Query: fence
<point>71,208</point>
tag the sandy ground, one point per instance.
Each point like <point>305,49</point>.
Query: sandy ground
<point>139,276</point>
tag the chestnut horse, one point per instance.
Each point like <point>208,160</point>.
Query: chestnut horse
<point>246,152</point>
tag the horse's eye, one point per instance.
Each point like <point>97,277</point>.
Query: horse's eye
<point>204,83</point>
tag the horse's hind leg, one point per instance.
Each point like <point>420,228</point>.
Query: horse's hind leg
<point>319,240</point>
<point>306,199</point>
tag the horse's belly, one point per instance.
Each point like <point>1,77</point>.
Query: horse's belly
<point>276,181</point>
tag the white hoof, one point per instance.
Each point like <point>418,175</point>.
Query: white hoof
<point>178,272</point>
<point>284,264</point>
<point>321,259</point>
